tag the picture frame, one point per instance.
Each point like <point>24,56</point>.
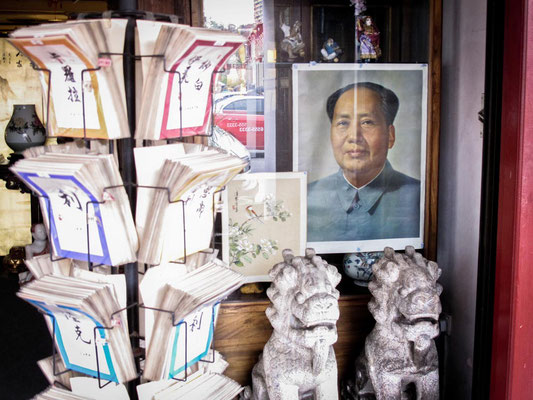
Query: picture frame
<point>263,214</point>
<point>312,152</point>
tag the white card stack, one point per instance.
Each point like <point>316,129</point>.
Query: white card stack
<point>47,368</point>
<point>201,386</point>
<point>42,265</point>
<point>78,146</point>
<point>55,393</point>
<point>90,331</point>
<point>85,207</point>
<point>183,295</point>
<point>67,49</point>
<point>190,176</point>
<point>178,103</point>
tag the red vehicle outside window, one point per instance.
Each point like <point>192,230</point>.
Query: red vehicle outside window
<point>243,117</point>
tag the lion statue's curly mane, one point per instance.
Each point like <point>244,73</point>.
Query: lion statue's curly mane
<point>299,357</point>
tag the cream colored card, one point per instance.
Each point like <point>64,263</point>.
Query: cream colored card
<point>89,387</point>
<point>154,279</point>
<point>263,214</point>
<point>148,31</point>
<point>148,164</point>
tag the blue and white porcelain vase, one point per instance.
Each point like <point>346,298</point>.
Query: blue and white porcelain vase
<point>358,266</point>
<point>24,129</point>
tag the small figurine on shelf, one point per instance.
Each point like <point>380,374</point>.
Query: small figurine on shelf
<point>40,242</point>
<point>292,44</point>
<point>13,263</point>
<point>368,37</point>
<point>331,51</point>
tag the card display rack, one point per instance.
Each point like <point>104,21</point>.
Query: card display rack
<point>124,151</point>
<point>90,264</point>
<point>101,58</point>
<point>99,338</point>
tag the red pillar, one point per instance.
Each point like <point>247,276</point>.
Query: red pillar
<point>512,355</point>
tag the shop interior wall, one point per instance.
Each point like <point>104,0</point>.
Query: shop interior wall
<point>463,65</point>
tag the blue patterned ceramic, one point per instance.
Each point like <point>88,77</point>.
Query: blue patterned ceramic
<point>24,129</point>
<point>358,266</point>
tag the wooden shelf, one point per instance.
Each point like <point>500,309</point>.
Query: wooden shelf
<point>243,329</point>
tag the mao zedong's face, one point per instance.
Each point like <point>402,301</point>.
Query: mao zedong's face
<point>360,136</point>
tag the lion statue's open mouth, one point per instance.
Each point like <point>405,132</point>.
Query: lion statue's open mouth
<point>299,325</point>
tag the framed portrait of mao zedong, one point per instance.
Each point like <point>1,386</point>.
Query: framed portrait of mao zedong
<point>359,131</point>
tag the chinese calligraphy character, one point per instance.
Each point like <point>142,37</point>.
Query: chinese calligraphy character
<point>198,84</point>
<point>79,332</point>
<point>207,189</point>
<point>206,64</point>
<point>194,59</point>
<point>70,199</point>
<point>200,209</point>
<point>73,94</point>
<point>69,75</point>
<point>69,316</point>
<point>197,322</point>
<point>184,76</point>
<point>56,56</point>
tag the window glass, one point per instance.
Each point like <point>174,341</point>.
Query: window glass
<point>238,93</point>
<point>259,106</point>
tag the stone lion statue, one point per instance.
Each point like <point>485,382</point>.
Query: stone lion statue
<point>400,358</point>
<point>299,358</point>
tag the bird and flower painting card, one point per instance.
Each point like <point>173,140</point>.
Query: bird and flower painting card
<point>264,213</point>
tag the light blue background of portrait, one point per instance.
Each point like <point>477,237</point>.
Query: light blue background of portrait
<point>311,124</point>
